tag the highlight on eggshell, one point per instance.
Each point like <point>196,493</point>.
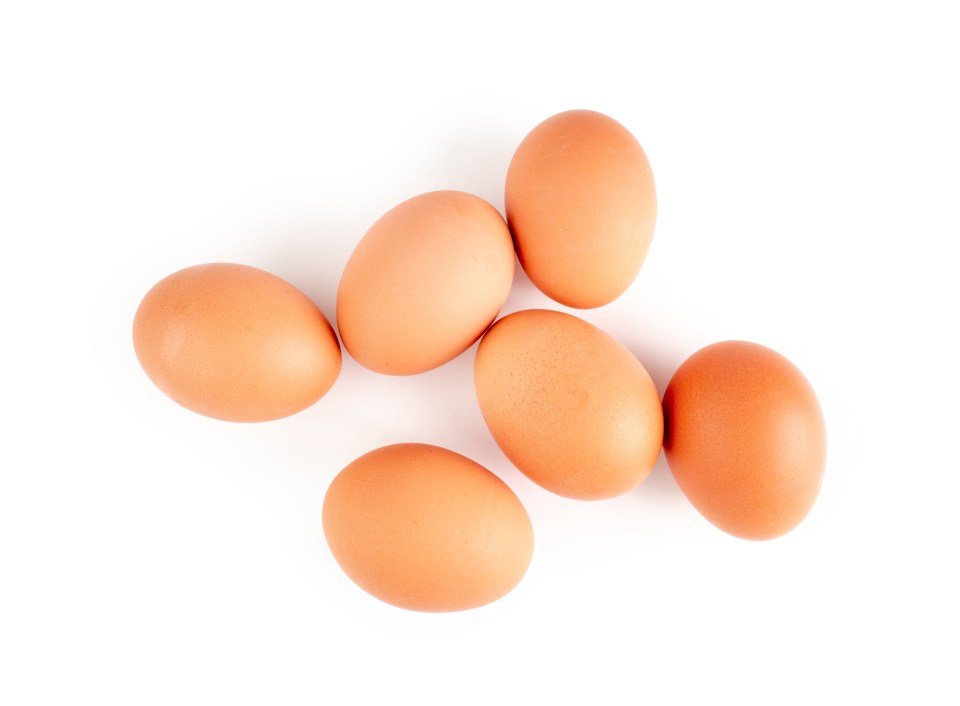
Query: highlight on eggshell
<point>235,343</point>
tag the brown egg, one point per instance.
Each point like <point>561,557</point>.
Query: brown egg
<point>424,282</point>
<point>745,438</point>
<point>568,404</point>
<point>235,343</point>
<point>427,529</point>
<point>582,206</point>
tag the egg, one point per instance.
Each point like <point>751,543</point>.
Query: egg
<point>568,404</point>
<point>581,203</point>
<point>235,343</point>
<point>425,282</point>
<point>424,528</point>
<point>745,438</point>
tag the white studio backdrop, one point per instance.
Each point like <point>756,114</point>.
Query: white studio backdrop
<point>806,165</point>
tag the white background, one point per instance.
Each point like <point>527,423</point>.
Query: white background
<point>807,167</point>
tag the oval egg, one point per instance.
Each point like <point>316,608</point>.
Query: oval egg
<point>427,529</point>
<point>745,438</point>
<point>235,343</point>
<point>569,405</point>
<point>582,206</point>
<point>424,282</point>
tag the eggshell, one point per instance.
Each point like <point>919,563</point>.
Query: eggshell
<point>745,438</point>
<point>427,529</point>
<point>582,206</point>
<point>425,282</point>
<point>235,343</point>
<point>568,404</point>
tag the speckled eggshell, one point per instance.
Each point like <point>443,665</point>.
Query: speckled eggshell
<point>235,343</point>
<point>424,282</point>
<point>568,404</point>
<point>427,529</point>
<point>582,206</point>
<point>745,438</point>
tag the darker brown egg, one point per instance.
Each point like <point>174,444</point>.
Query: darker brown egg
<point>745,438</point>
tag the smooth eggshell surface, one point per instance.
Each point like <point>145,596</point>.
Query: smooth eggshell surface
<point>568,404</point>
<point>424,282</point>
<point>745,438</point>
<point>582,206</point>
<point>235,343</point>
<point>427,529</point>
